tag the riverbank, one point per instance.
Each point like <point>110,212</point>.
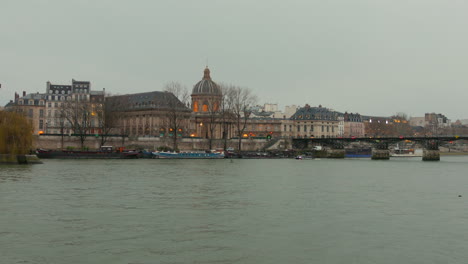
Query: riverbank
<point>19,159</point>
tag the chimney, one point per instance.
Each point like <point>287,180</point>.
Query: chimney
<point>24,93</point>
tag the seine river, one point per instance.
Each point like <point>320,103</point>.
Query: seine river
<point>240,211</point>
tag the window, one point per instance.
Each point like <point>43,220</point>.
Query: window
<point>311,127</point>
<point>305,128</point>
<point>30,113</point>
<point>322,128</point>
<point>284,127</point>
<point>298,128</point>
<point>49,104</point>
<point>41,124</point>
<point>41,113</point>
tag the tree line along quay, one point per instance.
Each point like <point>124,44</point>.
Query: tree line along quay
<point>210,116</point>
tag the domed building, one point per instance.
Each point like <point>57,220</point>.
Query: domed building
<point>206,95</point>
<point>206,99</point>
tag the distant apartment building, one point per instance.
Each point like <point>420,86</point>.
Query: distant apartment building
<point>310,121</point>
<point>353,125</point>
<point>290,110</point>
<point>47,111</point>
<point>417,122</point>
<point>438,120</point>
<point>32,106</point>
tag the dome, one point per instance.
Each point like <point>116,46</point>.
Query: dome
<point>206,85</point>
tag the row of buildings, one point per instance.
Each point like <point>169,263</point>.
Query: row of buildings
<point>76,108</point>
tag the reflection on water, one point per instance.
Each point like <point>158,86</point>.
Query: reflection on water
<point>244,211</point>
<point>15,172</point>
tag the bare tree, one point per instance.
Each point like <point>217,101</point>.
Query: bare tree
<point>79,115</point>
<point>212,117</point>
<point>239,101</point>
<point>108,113</point>
<point>177,112</point>
<point>227,116</point>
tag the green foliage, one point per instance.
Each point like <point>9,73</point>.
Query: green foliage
<point>15,134</point>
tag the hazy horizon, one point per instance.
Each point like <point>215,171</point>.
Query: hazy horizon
<point>366,56</point>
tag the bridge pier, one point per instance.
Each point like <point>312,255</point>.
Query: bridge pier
<point>431,151</point>
<point>336,150</point>
<point>431,155</point>
<point>380,151</point>
<point>380,154</point>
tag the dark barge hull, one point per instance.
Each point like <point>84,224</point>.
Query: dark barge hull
<point>51,154</point>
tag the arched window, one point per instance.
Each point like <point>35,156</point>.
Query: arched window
<point>216,106</point>
<point>205,108</point>
<point>195,106</point>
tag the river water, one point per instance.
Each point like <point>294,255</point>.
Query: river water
<point>235,211</point>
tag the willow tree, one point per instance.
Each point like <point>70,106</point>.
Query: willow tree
<point>16,133</point>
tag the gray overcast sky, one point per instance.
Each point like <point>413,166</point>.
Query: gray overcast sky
<point>375,57</point>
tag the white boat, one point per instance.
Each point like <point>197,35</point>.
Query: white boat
<point>189,155</point>
<point>397,152</point>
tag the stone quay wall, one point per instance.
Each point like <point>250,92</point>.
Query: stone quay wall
<point>150,143</point>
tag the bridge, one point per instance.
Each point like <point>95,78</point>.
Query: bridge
<point>380,151</point>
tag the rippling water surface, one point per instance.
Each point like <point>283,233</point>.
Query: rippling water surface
<point>239,211</point>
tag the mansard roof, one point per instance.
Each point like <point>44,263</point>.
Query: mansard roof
<point>315,113</point>
<point>350,117</point>
<point>147,101</point>
<point>34,96</point>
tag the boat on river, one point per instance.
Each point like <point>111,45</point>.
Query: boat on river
<point>397,152</point>
<point>358,153</point>
<point>75,154</point>
<point>188,155</point>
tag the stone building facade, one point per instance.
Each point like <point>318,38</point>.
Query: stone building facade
<point>46,110</point>
<point>149,115</point>
<point>353,125</point>
<point>312,122</point>
<point>33,106</point>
